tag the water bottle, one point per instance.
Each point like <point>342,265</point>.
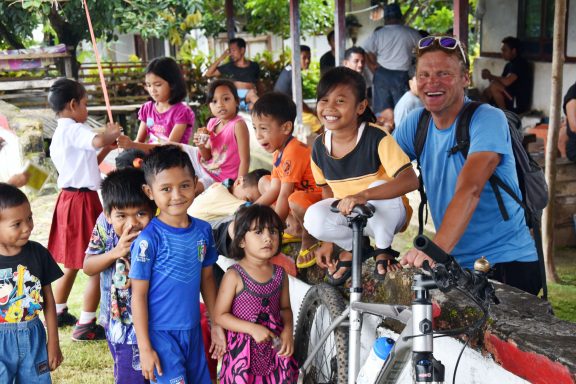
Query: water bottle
<point>378,354</point>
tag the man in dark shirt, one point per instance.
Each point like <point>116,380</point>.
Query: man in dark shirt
<point>243,72</point>
<point>284,82</point>
<point>328,60</point>
<point>512,90</point>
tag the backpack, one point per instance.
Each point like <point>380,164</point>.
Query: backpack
<point>531,179</point>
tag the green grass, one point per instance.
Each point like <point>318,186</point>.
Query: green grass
<point>84,362</point>
<point>563,295</point>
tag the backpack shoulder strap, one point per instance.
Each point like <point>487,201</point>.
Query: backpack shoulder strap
<point>463,145</point>
<point>463,128</point>
<point>421,133</point>
<point>419,140</point>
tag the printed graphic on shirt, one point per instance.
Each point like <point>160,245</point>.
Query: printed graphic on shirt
<point>202,248</point>
<point>178,380</point>
<point>142,257</point>
<point>20,295</point>
<point>214,165</point>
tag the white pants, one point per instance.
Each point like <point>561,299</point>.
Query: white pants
<point>325,225</point>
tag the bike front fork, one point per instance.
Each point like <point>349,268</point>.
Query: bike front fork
<point>426,368</point>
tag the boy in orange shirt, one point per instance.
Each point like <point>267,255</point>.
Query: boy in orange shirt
<point>292,187</point>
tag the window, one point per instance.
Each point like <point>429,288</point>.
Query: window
<point>536,28</point>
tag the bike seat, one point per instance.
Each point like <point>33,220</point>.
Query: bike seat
<point>365,210</point>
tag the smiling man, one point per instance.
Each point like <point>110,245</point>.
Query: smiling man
<point>462,204</point>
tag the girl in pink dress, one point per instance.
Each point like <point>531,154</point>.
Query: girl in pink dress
<point>166,117</point>
<point>253,304</point>
<point>226,153</point>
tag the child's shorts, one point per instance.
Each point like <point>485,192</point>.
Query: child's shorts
<point>72,224</point>
<point>23,353</point>
<point>304,198</point>
<point>182,356</point>
<point>127,368</point>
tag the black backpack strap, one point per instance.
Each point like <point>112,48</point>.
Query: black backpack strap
<point>463,145</point>
<point>463,128</point>
<point>536,230</point>
<point>421,133</point>
<point>419,140</point>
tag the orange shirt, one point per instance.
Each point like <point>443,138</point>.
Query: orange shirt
<point>292,165</point>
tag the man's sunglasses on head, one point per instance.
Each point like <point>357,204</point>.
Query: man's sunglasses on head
<point>445,42</point>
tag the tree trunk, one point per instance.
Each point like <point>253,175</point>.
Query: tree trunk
<point>10,38</point>
<point>67,35</point>
<point>553,130</point>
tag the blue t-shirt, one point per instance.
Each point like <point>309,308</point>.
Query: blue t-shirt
<point>172,260</point>
<point>487,233</point>
<point>115,294</point>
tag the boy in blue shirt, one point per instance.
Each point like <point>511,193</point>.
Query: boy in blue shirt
<point>127,210</point>
<point>172,261</point>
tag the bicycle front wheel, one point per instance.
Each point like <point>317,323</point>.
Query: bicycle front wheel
<point>321,306</point>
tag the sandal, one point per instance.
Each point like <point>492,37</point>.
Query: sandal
<point>390,260</point>
<point>287,239</point>
<point>302,256</point>
<point>342,279</point>
<point>336,252</point>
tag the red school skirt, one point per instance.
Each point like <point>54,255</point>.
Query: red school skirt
<point>74,218</point>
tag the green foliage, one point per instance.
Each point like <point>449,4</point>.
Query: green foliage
<point>194,65</point>
<point>437,19</point>
<point>167,18</point>
<point>310,79</point>
<point>16,23</point>
<point>261,16</point>
<point>270,69</point>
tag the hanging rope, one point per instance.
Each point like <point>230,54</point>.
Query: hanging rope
<point>99,63</point>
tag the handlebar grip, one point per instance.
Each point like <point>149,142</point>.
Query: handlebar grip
<point>334,206</point>
<point>424,244</point>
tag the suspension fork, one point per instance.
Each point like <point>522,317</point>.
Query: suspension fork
<point>426,368</point>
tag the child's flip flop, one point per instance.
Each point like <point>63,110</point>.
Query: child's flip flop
<point>287,238</point>
<point>305,252</point>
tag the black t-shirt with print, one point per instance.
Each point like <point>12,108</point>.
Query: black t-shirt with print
<point>21,280</point>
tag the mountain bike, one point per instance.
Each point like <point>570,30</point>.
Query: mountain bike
<point>328,333</point>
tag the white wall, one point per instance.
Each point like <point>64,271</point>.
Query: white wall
<point>499,21</point>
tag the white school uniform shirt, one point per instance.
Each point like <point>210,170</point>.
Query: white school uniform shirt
<point>74,155</point>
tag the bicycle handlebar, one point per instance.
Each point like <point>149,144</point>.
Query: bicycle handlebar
<point>366,210</point>
<point>449,274</point>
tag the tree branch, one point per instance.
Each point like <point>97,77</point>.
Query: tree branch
<point>10,38</point>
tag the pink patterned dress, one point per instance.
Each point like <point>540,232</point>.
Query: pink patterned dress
<point>245,361</point>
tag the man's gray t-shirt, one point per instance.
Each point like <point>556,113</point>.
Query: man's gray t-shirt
<point>393,46</point>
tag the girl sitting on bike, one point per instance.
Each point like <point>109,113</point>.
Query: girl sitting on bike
<point>358,162</point>
<point>253,304</point>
